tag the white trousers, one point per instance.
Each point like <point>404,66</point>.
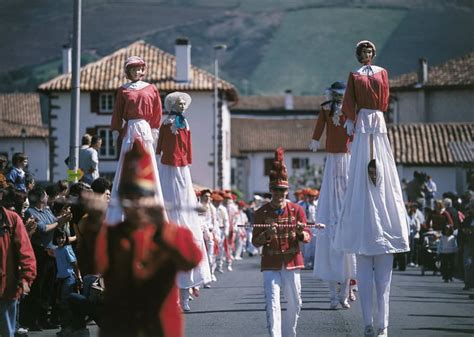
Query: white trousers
<point>273,282</point>
<point>211,255</point>
<point>374,269</point>
<point>343,291</point>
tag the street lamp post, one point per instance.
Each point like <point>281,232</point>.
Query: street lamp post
<point>23,139</point>
<point>218,47</point>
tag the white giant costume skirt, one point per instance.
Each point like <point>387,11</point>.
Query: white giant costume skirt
<point>373,219</point>
<point>136,129</point>
<point>331,264</point>
<point>181,206</point>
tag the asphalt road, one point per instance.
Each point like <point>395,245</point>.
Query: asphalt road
<point>234,307</point>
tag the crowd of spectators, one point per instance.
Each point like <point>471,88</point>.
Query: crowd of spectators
<point>51,244</point>
<point>441,230</point>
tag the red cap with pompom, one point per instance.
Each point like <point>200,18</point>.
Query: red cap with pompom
<point>278,173</point>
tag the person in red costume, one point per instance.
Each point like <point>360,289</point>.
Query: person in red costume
<point>280,228</point>
<point>137,115</point>
<point>175,149</point>
<point>373,220</point>
<point>140,258</point>
<point>332,265</point>
<point>17,265</point>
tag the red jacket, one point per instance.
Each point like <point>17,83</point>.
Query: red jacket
<point>337,139</point>
<point>366,90</point>
<point>281,250</point>
<point>13,270</point>
<point>141,294</point>
<point>143,103</point>
<point>175,149</point>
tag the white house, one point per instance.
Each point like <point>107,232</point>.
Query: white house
<point>442,93</point>
<point>99,81</point>
<point>259,126</point>
<point>438,149</point>
<point>22,130</point>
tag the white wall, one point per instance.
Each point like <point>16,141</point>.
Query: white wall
<point>37,150</point>
<point>408,107</point>
<point>226,137</point>
<point>200,117</point>
<point>435,106</point>
<point>451,106</point>
<point>258,182</point>
<point>61,127</point>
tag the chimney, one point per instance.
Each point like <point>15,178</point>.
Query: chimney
<point>182,49</point>
<point>289,100</point>
<point>67,59</point>
<point>423,71</point>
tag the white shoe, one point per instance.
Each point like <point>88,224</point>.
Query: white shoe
<point>186,307</point>
<point>382,332</point>
<point>345,304</point>
<point>369,331</point>
<point>333,305</point>
<point>238,258</point>
<point>207,286</point>
<point>213,278</point>
<point>229,268</point>
<point>220,271</point>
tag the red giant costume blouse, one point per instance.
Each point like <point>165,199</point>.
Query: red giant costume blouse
<point>366,88</point>
<point>175,149</point>
<point>144,103</point>
<point>141,296</point>
<point>337,139</point>
<point>282,251</point>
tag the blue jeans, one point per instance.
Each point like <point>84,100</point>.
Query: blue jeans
<point>7,317</point>
<point>68,285</point>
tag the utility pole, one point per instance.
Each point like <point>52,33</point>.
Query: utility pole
<point>75,94</point>
<point>215,179</point>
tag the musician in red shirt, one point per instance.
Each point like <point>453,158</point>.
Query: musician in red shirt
<point>280,230</point>
<point>137,115</point>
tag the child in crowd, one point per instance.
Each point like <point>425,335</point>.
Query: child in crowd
<point>17,174</point>
<point>68,276</point>
<point>447,247</point>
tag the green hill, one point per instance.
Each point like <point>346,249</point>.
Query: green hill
<point>274,45</point>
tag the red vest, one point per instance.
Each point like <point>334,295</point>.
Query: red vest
<point>282,250</point>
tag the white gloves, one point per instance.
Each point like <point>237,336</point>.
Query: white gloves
<point>115,135</point>
<point>314,145</point>
<point>349,126</point>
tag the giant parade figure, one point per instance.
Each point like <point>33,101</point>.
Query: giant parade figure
<point>332,265</point>
<point>137,115</point>
<point>175,148</point>
<point>373,221</point>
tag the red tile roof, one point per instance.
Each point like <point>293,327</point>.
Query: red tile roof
<point>427,144</point>
<point>412,144</point>
<point>21,111</point>
<point>311,103</point>
<point>107,73</point>
<point>261,135</point>
<point>453,73</point>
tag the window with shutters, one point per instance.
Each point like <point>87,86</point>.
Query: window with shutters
<point>267,165</point>
<point>300,163</point>
<point>106,102</point>
<point>108,150</point>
